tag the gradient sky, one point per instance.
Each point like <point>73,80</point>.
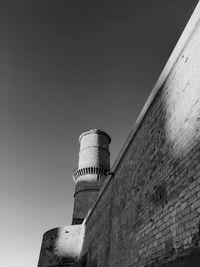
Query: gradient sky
<point>65,67</point>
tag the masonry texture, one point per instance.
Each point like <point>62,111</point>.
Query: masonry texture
<point>61,246</point>
<point>148,211</point>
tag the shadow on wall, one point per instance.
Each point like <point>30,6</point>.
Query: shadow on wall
<point>174,169</point>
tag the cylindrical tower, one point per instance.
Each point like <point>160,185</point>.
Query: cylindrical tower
<point>93,168</point>
<point>61,246</point>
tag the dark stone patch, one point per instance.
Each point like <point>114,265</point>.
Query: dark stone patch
<point>159,196</point>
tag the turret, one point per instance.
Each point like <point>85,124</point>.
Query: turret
<point>93,168</point>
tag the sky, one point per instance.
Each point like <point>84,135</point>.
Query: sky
<point>66,67</point>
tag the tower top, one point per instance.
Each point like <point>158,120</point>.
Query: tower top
<point>95,131</point>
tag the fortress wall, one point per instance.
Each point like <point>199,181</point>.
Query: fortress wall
<point>149,211</point>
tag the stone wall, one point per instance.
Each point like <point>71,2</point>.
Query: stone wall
<point>148,213</point>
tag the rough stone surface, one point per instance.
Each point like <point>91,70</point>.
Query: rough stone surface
<point>83,201</point>
<point>94,149</point>
<point>61,246</point>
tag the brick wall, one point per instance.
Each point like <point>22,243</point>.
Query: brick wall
<point>148,214</point>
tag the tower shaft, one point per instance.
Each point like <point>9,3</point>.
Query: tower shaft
<point>93,168</point>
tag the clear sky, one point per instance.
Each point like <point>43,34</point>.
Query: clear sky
<point>67,66</point>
